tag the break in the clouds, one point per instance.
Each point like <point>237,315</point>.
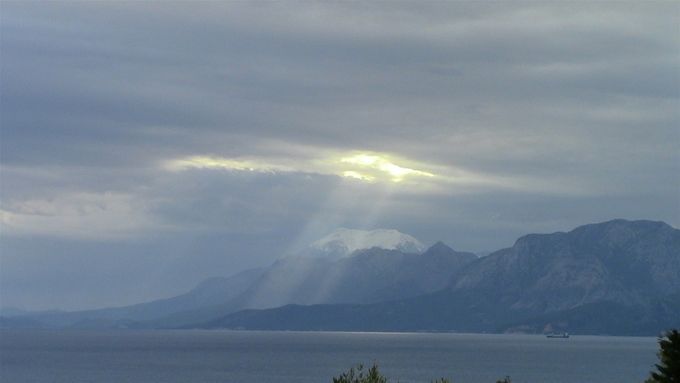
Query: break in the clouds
<point>368,167</point>
<point>153,145</point>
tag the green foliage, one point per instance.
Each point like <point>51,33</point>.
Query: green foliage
<point>357,376</point>
<point>668,368</point>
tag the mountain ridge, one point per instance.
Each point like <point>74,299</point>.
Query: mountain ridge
<point>615,277</point>
<point>544,281</point>
<point>369,275</point>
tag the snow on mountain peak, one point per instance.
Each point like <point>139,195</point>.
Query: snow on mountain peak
<point>343,242</point>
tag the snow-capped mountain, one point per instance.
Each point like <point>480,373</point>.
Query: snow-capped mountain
<point>343,242</point>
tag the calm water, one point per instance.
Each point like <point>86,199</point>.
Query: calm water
<point>223,356</point>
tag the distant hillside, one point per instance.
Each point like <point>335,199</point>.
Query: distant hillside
<point>371,275</point>
<point>211,292</point>
<point>367,276</point>
<point>616,277</point>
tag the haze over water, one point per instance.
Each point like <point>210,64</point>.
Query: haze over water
<point>312,357</point>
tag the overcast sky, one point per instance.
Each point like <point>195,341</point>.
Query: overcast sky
<point>147,146</point>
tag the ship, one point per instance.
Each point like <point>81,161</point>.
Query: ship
<point>563,335</point>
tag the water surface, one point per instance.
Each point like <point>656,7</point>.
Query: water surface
<point>301,357</point>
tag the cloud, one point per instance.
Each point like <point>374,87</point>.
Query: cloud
<point>89,216</point>
<point>369,167</point>
<point>403,174</point>
<point>379,165</point>
<point>211,162</point>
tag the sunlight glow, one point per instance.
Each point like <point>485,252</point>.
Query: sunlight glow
<point>357,175</point>
<point>209,162</point>
<point>366,167</point>
<point>377,164</point>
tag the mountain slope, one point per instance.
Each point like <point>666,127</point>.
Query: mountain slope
<point>614,277</point>
<point>208,293</point>
<point>628,262</point>
<point>370,275</point>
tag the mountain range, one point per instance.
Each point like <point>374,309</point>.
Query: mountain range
<point>615,277</point>
<point>321,274</point>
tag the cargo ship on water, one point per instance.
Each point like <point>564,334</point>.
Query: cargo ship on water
<point>563,335</point>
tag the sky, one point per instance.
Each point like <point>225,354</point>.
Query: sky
<point>146,146</point>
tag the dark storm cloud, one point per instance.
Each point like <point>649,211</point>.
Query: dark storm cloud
<point>567,113</point>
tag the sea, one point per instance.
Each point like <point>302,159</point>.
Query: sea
<point>127,356</point>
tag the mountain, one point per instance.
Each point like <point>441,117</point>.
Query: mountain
<point>627,262</point>
<point>616,277</point>
<point>353,266</point>
<point>344,242</point>
<point>211,292</point>
<point>368,276</point>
